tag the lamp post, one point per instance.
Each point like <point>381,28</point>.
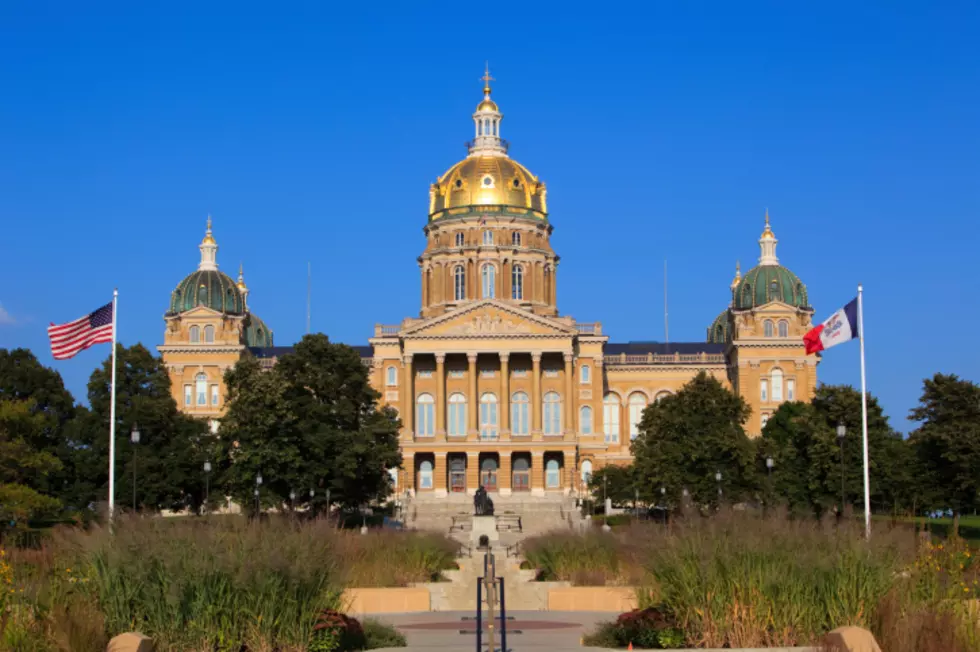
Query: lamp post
<point>292,499</point>
<point>207,484</point>
<point>841,434</point>
<point>636,504</point>
<point>718,480</point>
<point>663,499</point>
<point>134,438</point>
<point>258,483</point>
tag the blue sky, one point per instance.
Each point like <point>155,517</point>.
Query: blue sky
<point>311,132</point>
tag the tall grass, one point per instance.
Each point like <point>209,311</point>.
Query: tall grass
<point>588,559</point>
<point>218,584</point>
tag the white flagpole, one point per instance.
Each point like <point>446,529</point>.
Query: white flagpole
<point>112,413</point>
<point>864,417</point>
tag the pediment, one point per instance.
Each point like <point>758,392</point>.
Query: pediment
<point>200,312</point>
<point>489,318</point>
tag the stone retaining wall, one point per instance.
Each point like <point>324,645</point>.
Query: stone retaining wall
<point>614,599</point>
<point>386,600</point>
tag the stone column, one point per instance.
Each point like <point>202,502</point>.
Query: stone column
<point>425,287</point>
<point>408,396</point>
<point>535,394</point>
<point>441,395</point>
<point>473,403</point>
<point>472,282</point>
<point>439,475</point>
<point>472,471</point>
<point>408,473</point>
<point>537,473</point>
<point>569,398</point>
<point>504,395</point>
<point>505,281</point>
<point>504,474</point>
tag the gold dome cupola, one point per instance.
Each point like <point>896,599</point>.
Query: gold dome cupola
<point>486,120</point>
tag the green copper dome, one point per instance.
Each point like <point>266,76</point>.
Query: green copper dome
<point>766,283</point>
<point>719,331</point>
<point>209,288</point>
<point>257,333</point>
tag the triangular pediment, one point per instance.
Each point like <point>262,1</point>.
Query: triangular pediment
<point>488,318</point>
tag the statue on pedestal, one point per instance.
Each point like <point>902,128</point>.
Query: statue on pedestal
<point>482,505</point>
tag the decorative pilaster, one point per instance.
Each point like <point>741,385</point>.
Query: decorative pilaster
<point>504,474</point>
<point>537,473</point>
<point>535,405</point>
<point>505,396</point>
<point>408,473</point>
<point>472,471</point>
<point>439,475</point>
<point>408,397</point>
<point>473,404</point>
<point>441,395</point>
<point>569,411</point>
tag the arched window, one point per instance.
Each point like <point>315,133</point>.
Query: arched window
<point>767,328</point>
<point>783,329</point>
<point>637,403</point>
<point>457,415</point>
<point>774,293</point>
<point>391,379</point>
<point>459,239</point>
<point>195,333</point>
<point>519,413</point>
<point>209,334</point>
<point>552,473</point>
<point>425,475</point>
<point>763,390</point>
<point>585,420</point>
<point>610,417</point>
<point>747,294</point>
<point>489,277</point>
<point>488,417</point>
<point>585,374</point>
<point>551,414</point>
<point>777,385</point>
<point>488,237</point>
<point>494,127</point>
<point>459,283</point>
<point>201,389</point>
<point>661,396</point>
<point>586,472</point>
<point>790,389</point>
<point>517,283</point>
<point>515,239</point>
<point>425,419</point>
<point>479,128</point>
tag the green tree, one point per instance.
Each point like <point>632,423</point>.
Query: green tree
<point>618,483</point>
<point>947,443</point>
<point>23,464</point>
<point>686,438</point>
<point>170,455</point>
<point>312,421</point>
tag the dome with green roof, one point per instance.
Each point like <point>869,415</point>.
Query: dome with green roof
<point>767,283</point>
<point>719,331</point>
<point>257,334</point>
<point>207,286</point>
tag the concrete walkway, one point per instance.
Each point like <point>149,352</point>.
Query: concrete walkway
<point>554,631</point>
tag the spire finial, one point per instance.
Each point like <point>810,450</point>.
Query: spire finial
<point>209,223</point>
<point>767,244</point>
<point>486,79</point>
<point>241,272</point>
<point>209,250</point>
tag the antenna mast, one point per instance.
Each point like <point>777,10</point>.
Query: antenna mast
<point>666,327</point>
<point>308,282</point>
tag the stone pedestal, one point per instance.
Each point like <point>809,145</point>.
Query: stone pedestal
<point>484,525</point>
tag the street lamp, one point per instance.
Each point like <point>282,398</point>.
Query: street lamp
<point>207,484</point>
<point>718,480</point>
<point>258,483</point>
<point>841,434</point>
<point>292,497</point>
<point>663,499</point>
<point>769,464</point>
<point>134,438</point>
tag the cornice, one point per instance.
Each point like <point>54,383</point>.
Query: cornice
<point>200,348</point>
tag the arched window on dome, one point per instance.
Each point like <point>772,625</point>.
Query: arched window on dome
<point>784,328</point>
<point>195,334</point>
<point>201,389</point>
<point>747,294</point>
<point>209,334</point>
<point>494,127</point>
<point>720,333</point>
<point>519,413</point>
<point>585,420</point>
<point>459,283</point>
<point>774,293</point>
<point>515,238</point>
<point>202,294</point>
<point>459,239</point>
<point>489,276</point>
<point>425,416</point>
<point>517,283</point>
<point>767,328</point>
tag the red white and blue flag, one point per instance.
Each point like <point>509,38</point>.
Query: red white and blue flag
<point>840,327</point>
<point>68,339</point>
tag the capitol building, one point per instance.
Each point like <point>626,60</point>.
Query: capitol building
<point>493,384</point>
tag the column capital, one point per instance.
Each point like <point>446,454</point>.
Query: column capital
<point>536,356</point>
<point>407,358</point>
<point>504,356</point>
<point>440,357</point>
<point>471,356</point>
<point>569,356</point>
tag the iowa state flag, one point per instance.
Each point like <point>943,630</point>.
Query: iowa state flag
<point>840,327</point>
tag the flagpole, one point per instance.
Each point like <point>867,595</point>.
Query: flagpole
<point>112,413</point>
<point>864,417</point>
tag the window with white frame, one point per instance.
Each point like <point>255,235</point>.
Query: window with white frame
<point>425,373</point>
<point>209,334</point>
<point>459,239</point>
<point>457,415</point>
<point>459,283</point>
<point>790,389</point>
<point>488,275</point>
<point>552,474</point>
<point>776,377</point>
<point>215,395</point>
<point>519,413</point>
<point>784,329</point>
<point>767,328</point>
<point>586,472</point>
<point>551,414</point>
<point>195,334</point>
<point>515,239</point>
<point>517,283</point>
<point>188,395</point>
<point>488,237</point>
<point>585,374</point>
<point>585,420</point>
<point>425,475</point>
<point>637,403</point>
<point>425,420</point>
<point>610,417</point>
<point>391,377</point>
<point>201,381</point>
<point>763,390</point>
<point>488,417</point>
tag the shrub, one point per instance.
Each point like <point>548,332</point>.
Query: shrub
<point>336,632</point>
<point>381,635</point>
<point>649,628</point>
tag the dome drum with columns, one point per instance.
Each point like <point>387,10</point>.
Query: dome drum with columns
<point>493,386</point>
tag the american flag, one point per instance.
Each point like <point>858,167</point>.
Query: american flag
<point>68,339</point>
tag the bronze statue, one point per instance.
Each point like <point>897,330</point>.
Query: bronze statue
<point>482,505</point>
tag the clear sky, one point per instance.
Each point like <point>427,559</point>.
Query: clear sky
<point>311,132</point>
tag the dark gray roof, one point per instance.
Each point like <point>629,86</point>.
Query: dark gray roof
<point>662,348</point>
<point>279,351</point>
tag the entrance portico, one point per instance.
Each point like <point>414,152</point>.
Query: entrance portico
<point>505,471</point>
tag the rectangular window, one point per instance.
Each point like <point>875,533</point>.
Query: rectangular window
<point>391,377</point>
<point>457,373</point>
<point>214,395</point>
<point>488,421</point>
<point>520,373</point>
<point>610,422</point>
<point>520,418</point>
<point>188,395</point>
<point>586,374</point>
<point>550,373</point>
<point>425,373</point>
<point>487,373</point>
<point>764,390</point>
<point>457,419</point>
<point>790,390</point>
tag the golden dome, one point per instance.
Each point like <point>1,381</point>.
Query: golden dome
<point>241,278</point>
<point>767,233</point>
<point>484,181</point>
<point>208,238</point>
<point>487,105</point>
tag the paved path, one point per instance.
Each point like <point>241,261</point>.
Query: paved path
<point>551,631</point>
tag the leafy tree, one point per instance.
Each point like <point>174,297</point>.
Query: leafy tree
<point>22,464</point>
<point>686,438</point>
<point>617,483</point>
<point>947,443</point>
<point>312,421</point>
<point>173,446</point>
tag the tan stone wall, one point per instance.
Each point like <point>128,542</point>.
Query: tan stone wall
<point>386,600</point>
<point>614,599</point>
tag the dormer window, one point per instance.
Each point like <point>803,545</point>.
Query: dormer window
<point>516,239</point>
<point>459,239</point>
<point>488,237</point>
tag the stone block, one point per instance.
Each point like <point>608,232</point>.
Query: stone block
<point>851,639</point>
<point>484,525</point>
<point>130,642</point>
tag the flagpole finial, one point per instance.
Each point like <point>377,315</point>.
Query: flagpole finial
<point>486,79</point>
